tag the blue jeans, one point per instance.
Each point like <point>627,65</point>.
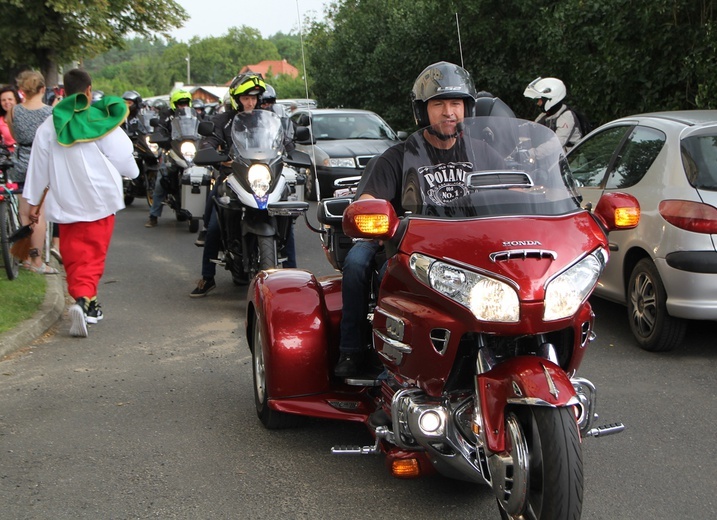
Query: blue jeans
<point>158,197</point>
<point>355,288</point>
<point>212,243</point>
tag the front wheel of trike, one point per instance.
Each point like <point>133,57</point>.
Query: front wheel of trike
<point>543,478</point>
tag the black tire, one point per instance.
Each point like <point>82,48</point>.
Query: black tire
<point>194,225</point>
<point>267,252</point>
<point>271,419</point>
<point>311,187</point>
<point>8,225</point>
<point>149,179</point>
<point>653,328</point>
<point>554,480</point>
<point>128,200</point>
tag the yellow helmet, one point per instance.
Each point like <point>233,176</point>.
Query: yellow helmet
<point>249,84</point>
<point>177,96</point>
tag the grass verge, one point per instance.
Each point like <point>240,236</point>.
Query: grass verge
<point>20,298</point>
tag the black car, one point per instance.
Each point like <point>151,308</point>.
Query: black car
<point>344,142</point>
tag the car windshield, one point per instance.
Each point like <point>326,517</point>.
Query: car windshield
<point>491,170</point>
<point>350,126</point>
<point>699,157</point>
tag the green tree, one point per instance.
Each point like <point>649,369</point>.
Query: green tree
<point>46,33</point>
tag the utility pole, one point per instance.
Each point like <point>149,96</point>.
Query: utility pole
<point>189,78</point>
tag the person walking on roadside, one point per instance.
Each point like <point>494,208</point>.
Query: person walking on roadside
<point>81,154</point>
<point>23,120</point>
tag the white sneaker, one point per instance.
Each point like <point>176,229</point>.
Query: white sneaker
<point>78,323</point>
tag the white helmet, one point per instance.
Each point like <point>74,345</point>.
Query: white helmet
<point>551,89</point>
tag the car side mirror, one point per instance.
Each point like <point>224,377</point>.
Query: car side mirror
<point>302,135</point>
<point>206,128</point>
<point>370,218</point>
<point>617,210</point>
<point>402,135</point>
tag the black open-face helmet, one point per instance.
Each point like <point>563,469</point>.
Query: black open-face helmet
<point>135,99</point>
<point>442,80</point>
<point>269,95</point>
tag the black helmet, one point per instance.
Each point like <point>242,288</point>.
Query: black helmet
<point>133,97</point>
<point>269,95</point>
<point>442,80</point>
<point>248,84</point>
<point>197,104</point>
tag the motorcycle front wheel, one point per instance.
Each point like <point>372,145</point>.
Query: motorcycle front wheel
<point>547,482</point>
<point>271,419</point>
<point>150,178</point>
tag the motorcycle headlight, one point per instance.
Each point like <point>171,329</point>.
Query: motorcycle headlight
<point>487,298</point>
<point>188,150</point>
<point>259,178</point>
<point>153,147</point>
<point>340,162</point>
<point>565,292</point>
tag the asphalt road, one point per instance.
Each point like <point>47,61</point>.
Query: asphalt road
<point>152,416</point>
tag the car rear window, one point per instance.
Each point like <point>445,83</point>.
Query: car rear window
<point>699,158</point>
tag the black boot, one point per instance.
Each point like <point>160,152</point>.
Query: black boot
<point>349,364</point>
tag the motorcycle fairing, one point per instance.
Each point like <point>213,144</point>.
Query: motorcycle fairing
<point>524,380</point>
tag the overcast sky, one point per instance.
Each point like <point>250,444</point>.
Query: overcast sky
<point>214,17</point>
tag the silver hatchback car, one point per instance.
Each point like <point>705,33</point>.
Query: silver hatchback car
<point>665,269</point>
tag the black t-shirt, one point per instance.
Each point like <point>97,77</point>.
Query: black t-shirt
<point>443,175</point>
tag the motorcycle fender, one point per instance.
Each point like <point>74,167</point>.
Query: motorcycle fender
<point>289,305</point>
<point>257,224</point>
<point>524,380</point>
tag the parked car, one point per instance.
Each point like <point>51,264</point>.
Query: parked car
<point>664,270</point>
<point>344,141</point>
<point>297,103</point>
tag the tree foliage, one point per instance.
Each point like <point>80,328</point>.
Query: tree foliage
<point>46,33</point>
<point>616,56</point>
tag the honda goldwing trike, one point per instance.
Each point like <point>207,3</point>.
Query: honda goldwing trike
<point>186,183</point>
<point>263,173</point>
<point>480,323</point>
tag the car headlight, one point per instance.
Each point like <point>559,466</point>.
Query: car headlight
<point>340,162</point>
<point>565,292</point>
<point>188,150</point>
<point>487,298</point>
<point>259,178</point>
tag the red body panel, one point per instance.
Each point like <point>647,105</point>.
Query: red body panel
<point>527,373</point>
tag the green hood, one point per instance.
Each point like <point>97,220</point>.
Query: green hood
<point>76,120</point>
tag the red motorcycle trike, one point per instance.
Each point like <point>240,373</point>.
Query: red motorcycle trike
<point>480,323</point>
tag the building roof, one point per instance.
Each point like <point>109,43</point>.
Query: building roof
<point>272,68</point>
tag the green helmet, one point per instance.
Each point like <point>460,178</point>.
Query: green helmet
<point>177,96</point>
<point>250,84</point>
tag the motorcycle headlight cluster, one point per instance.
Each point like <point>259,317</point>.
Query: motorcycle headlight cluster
<point>188,150</point>
<point>489,299</point>
<point>259,178</point>
<point>153,147</point>
<point>565,292</point>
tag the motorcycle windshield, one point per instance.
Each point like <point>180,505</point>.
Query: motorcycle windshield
<point>257,135</point>
<point>185,125</point>
<point>485,167</point>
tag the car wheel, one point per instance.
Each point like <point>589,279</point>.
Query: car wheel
<point>654,329</point>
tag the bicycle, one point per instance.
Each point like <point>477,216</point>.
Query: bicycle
<point>9,215</point>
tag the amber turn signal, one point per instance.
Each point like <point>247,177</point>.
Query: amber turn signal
<point>374,224</point>
<point>405,468</point>
<point>627,217</point>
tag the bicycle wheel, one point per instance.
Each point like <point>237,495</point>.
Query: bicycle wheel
<point>9,223</point>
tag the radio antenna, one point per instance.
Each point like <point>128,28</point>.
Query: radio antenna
<point>460,46</point>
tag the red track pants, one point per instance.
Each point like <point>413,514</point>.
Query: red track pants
<point>83,246</point>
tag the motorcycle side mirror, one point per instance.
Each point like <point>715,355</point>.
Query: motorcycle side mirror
<point>160,138</point>
<point>209,157</point>
<point>617,210</point>
<point>154,121</point>
<point>298,159</point>
<point>370,218</point>
<point>206,128</point>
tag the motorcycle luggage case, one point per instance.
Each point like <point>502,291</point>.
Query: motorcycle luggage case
<point>195,187</point>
